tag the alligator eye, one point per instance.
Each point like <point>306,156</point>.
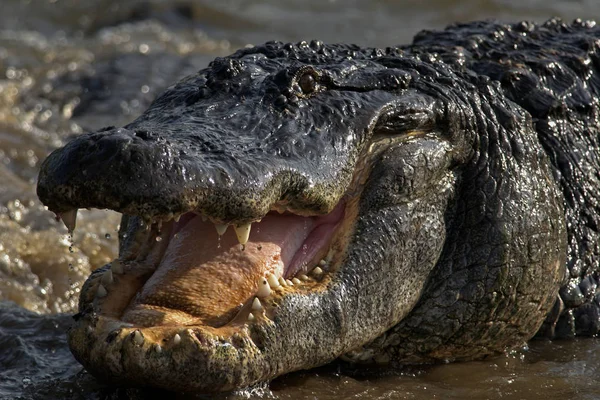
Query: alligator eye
<point>308,83</point>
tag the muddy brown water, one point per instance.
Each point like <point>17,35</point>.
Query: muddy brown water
<point>69,66</point>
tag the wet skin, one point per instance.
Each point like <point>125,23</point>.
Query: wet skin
<point>424,203</point>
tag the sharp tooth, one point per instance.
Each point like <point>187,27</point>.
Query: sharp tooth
<point>243,233</point>
<point>107,278</point>
<point>204,218</point>
<point>322,263</point>
<point>157,348</point>
<point>250,317</point>
<point>101,292</point>
<point>177,218</point>
<point>138,338</point>
<point>273,282</point>
<point>116,267</point>
<point>221,228</point>
<point>176,338</point>
<point>282,281</point>
<point>296,281</point>
<point>329,257</point>
<point>317,271</point>
<point>289,283</point>
<point>303,277</point>
<point>264,289</point>
<point>70,219</point>
<point>256,304</point>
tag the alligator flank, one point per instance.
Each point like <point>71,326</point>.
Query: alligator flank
<point>295,203</point>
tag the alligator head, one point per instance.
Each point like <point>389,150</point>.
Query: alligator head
<point>290,204</point>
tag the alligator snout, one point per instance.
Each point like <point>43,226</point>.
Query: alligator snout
<point>157,175</point>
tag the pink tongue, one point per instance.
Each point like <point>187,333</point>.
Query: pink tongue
<point>204,278</point>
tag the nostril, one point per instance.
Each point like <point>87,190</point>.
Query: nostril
<point>104,147</point>
<point>143,134</point>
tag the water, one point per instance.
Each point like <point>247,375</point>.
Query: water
<point>69,66</point>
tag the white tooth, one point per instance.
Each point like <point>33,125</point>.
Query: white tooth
<point>157,348</point>
<point>256,304</point>
<point>250,317</point>
<point>296,281</point>
<point>177,218</point>
<point>204,219</point>
<point>317,271</point>
<point>282,281</point>
<point>138,338</point>
<point>221,228</point>
<point>322,263</point>
<point>303,277</point>
<point>264,289</point>
<point>116,267</point>
<point>273,282</point>
<point>176,338</point>
<point>70,219</point>
<point>289,283</point>
<point>101,292</point>
<point>329,257</point>
<point>107,278</point>
<point>243,233</point>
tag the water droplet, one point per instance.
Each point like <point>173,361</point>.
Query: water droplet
<point>107,235</point>
<point>218,241</point>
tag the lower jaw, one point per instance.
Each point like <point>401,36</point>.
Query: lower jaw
<point>199,358</point>
<point>236,354</point>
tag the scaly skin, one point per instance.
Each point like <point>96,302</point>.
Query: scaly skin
<point>468,165</point>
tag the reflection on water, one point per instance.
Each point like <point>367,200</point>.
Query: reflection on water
<point>69,66</point>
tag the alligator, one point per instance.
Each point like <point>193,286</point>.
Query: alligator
<point>293,204</point>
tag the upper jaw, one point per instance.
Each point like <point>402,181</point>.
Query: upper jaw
<point>232,170</point>
<point>117,170</point>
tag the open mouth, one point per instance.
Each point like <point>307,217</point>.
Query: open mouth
<point>215,277</point>
<point>190,277</point>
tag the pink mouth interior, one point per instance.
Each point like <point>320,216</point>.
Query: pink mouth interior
<point>204,278</point>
